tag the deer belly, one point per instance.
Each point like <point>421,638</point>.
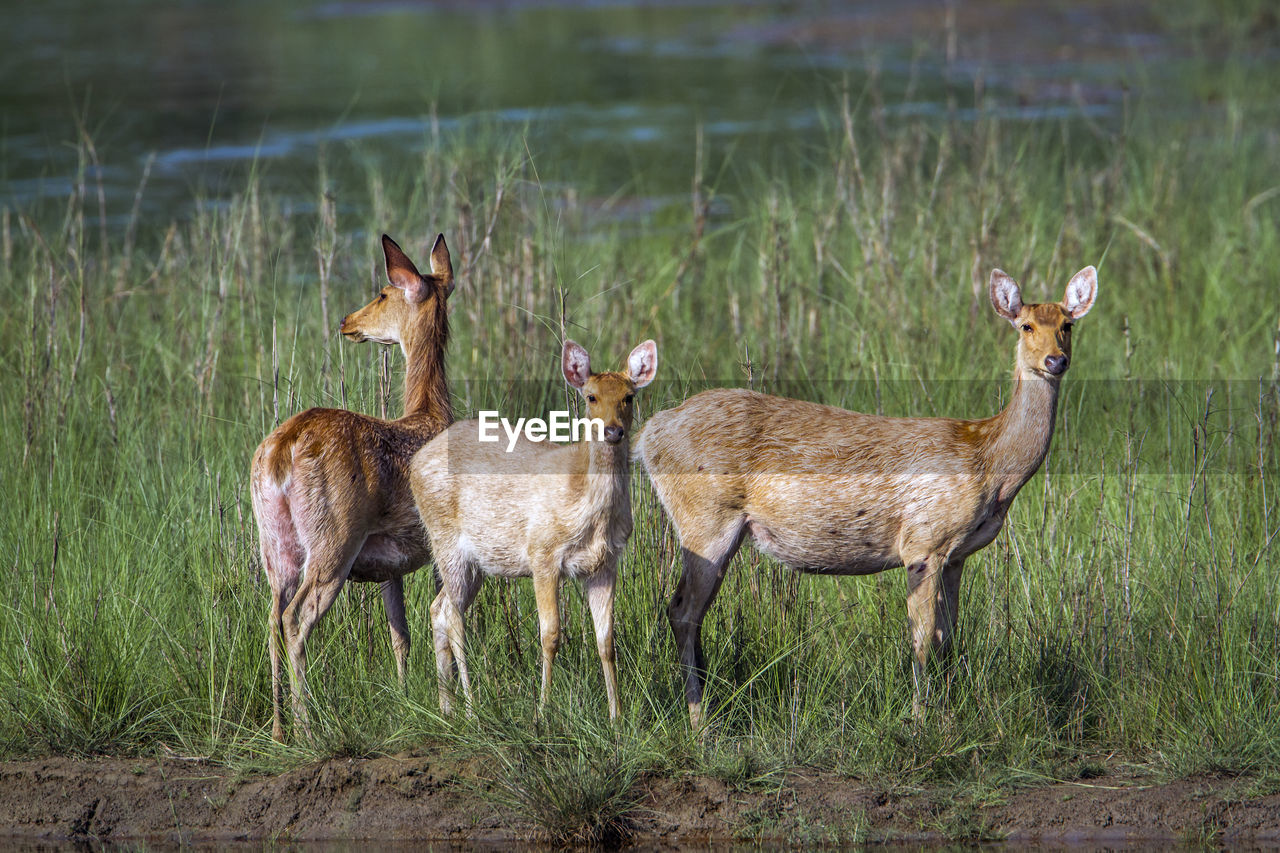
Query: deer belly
<point>493,556</point>
<point>824,549</point>
<point>384,557</point>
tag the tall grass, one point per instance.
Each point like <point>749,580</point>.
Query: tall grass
<point>1128,612</point>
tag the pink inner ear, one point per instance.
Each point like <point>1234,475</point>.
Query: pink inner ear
<point>1080,292</point>
<point>415,290</point>
<point>1006,298</point>
<point>643,364</point>
<point>576,365</point>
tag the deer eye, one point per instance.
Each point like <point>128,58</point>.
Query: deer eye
<point>1026,327</point>
<point>591,398</point>
<point>381,296</point>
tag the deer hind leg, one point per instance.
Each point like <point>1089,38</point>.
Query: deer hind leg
<point>393,603</point>
<point>599,588</point>
<point>283,587</point>
<point>282,558</point>
<point>326,571</point>
<point>275,644</point>
<point>932,601</point>
<point>444,655</point>
<point>705,557</point>
<point>460,581</point>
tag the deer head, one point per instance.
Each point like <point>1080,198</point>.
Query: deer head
<point>407,300</point>
<point>1044,344</point>
<point>610,396</point>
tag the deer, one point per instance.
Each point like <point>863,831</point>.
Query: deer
<point>542,511</point>
<point>828,491</point>
<point>330,487</point>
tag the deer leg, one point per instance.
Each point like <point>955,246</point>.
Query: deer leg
<point>282,574</point>
<point>546,590</point>
<point>315,596</point>
<point>275,644</point>
<point>393,603</point>
<point>704,566</point>
<point>459,585</point>
<point>599,589</point>
<point>924,607</point>
<point>444,654</point>
<point>949,604</point>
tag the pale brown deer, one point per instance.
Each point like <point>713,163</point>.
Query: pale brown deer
<point>829,491</point>
<point>330,488</point>
<point>528,509</point>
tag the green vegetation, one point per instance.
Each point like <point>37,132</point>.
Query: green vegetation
<point>1128,616</point>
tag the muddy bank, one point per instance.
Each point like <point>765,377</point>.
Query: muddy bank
<point>419,798</point>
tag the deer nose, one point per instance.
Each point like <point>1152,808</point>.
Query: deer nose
<point>1056,364</point>
<point>613,434</point>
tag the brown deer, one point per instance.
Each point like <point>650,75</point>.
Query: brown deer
<point>330,488</point>
<point>829,491</point>
<point>526,509</point>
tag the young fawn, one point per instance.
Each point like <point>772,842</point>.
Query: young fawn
<point>330,487</point>
<point>829,491</point>
<point>537,511</point>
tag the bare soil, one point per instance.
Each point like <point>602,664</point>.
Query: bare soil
<point>428,798</point>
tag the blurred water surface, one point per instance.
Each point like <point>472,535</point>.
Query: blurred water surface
<point>194,95</point>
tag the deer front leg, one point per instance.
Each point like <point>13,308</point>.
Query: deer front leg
<point>949,604</point>
<point>599,589</point>
<point>924,607</point>
<point>393,603</point>
<point>546,589</point>
<point>705,554</point>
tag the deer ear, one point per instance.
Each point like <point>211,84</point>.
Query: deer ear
<point>1006,298</point>
<point>441,266</point>
<point>576,364</point>
<point>1080,294</point>
<point>642,364</point>
<point>402,273</point>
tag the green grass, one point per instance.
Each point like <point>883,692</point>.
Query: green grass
<point>1127,617</point>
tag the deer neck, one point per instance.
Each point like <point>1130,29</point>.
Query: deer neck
<point>607,467</point>
<point>1022,431</point>
<point>426,391</point>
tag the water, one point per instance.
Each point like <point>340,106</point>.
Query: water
<point>606,96</point>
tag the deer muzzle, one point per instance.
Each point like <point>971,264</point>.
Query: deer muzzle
<point>1056,364</point>
<point>353,334</point>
